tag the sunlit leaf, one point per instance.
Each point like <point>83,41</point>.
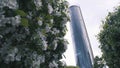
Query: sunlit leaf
<point>21,13</point>
<point>24,22</point>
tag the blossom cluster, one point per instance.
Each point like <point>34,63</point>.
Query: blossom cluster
<point>32,36</point>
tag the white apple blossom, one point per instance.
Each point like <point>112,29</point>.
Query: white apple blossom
<point>53,64</point>
<point>58,14</point>
<point>55,31</point>
<point>15,21</point>
<point>1,12</point>
<point>55,56</point>
<point>44,45</point>
<point>65,3</point>
<point>65,45</point>
<point>41,36</point>
<point>50,9</point>
<point>9,57</point>
<point>10,54</point>
<point>51,21</point>
<point>9,3</point>
<point>18,57</point>
<point>40,22</point>
<point>65,19</point>
<point>1,36</point>
<point>39,59</point>
<point>38,3</point>
<point>55,44</point>
<point>47,28</point>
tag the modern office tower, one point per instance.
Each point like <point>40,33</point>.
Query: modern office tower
<point>84,55</point>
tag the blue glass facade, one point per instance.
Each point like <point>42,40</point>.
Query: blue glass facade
<point>84,55</point>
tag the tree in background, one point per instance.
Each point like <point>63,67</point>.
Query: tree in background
<point>109,38</point>
<point>32,33</point>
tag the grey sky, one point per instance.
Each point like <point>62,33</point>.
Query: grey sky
<point>94,11</point>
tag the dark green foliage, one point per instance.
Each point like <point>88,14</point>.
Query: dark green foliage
<point>9,12</point>
<point>109,38</point>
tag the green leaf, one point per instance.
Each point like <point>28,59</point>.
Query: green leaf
<point>38,18</point>
<point>24,22</point>
<point>43,31</point>
<point>21,13</point>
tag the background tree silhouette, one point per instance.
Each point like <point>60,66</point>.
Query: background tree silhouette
<point>109,38</point>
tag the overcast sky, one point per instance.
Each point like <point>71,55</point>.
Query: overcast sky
<point>93,11</point>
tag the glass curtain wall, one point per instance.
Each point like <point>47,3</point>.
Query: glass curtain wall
<point>84,55</point>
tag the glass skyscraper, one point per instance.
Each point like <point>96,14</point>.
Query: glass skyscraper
<point>84,55</point>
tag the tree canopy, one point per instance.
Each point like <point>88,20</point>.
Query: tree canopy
<point>32,33</point>
<point>109,38</point>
